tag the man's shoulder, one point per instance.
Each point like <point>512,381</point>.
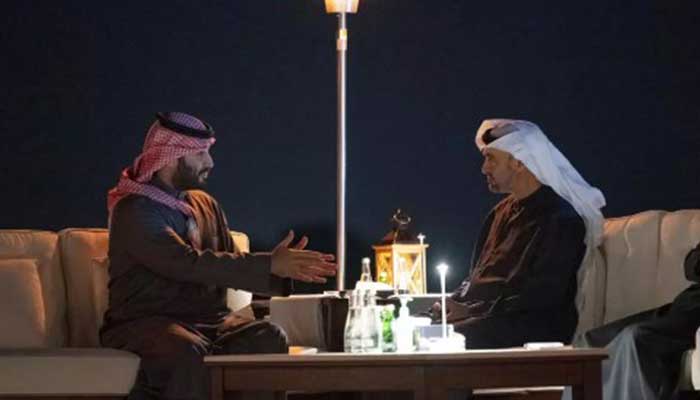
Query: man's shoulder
<point>564,216</point>
<point>562,209</point>
<point>132,202</point>
<point>135,205</point>
<point>200,194</point>
<point>203,198</point>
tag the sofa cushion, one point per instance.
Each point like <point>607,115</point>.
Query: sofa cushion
<point>43,247</point>
<point>67,371</point>
<point>644,259</point>
<point>100,293</point>
<point>21,305</point>
<point>79,247</point>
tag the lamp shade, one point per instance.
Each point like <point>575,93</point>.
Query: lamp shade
<point>342,6</point>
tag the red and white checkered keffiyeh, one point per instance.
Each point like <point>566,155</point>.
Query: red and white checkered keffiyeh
<point>161,146</point>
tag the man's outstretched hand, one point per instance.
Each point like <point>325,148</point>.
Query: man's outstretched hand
<point>303,265</point>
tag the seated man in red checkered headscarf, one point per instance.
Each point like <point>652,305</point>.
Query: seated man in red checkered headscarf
<point>171,260</point>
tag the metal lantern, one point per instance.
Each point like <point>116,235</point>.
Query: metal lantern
<point>400,258</point>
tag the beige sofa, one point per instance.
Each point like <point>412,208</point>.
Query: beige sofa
<point>53,292</point>
<point>638,267</point>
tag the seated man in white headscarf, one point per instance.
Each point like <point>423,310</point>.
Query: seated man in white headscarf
<point>522,283</point>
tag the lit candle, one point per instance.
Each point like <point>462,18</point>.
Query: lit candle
<point>442,269</point>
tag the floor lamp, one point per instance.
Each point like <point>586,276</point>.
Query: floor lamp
<point>341,8</point>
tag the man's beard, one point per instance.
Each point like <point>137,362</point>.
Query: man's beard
<point>492,185</point>
<point>495,186</point>
<point>187,177</point>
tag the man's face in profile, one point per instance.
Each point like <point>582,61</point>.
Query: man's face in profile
<point>499,170</point>
<point>193,170</point>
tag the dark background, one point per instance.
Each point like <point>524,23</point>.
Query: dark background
<point>614,84</point>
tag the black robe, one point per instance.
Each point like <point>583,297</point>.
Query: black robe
<point>646,349</point>
<point>154,270</point>
<point>522,283</point>
<point>167,299</point>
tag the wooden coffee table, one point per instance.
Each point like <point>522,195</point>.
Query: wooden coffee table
<point>427,375</point>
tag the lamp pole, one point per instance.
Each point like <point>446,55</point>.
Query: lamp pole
<point>342,48</point>
<point>342,8</point>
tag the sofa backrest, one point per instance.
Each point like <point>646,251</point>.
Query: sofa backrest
<point>41,246</point>
<point>644,256</point>
<point>84,259</point>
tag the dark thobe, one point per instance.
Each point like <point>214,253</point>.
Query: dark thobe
<point>645,349</point>
<point>167,299</point>
<point>522,283</point>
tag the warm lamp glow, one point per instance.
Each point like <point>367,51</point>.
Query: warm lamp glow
<point>342,6</point>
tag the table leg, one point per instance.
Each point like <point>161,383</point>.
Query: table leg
<point>419,394</point>
<point>592,386</point>
<point>435,392</point>
<point>280,395</point>
<point>216,375</point>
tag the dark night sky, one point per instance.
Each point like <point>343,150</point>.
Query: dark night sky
<point>614,84</point>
